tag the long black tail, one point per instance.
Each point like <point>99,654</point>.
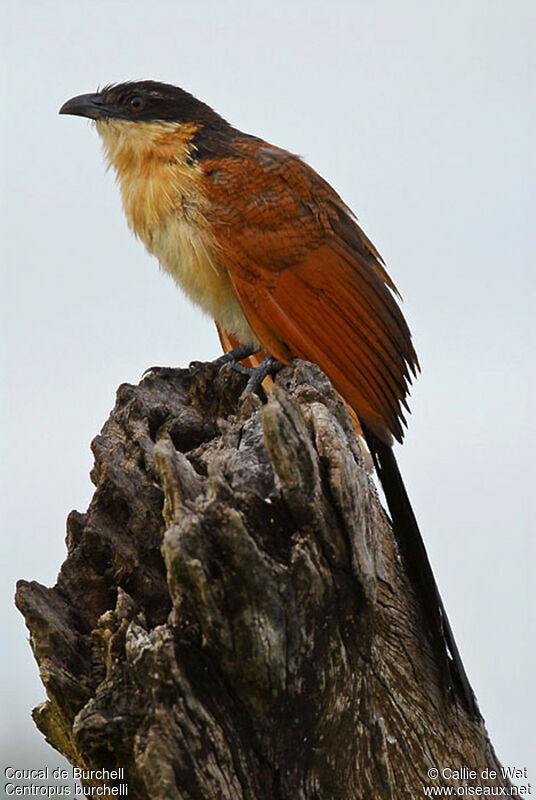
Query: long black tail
<point>415,558</point>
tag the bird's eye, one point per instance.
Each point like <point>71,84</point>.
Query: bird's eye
<point>137,103</point>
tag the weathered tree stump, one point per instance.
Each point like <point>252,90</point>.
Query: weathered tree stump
<point>232,619</point>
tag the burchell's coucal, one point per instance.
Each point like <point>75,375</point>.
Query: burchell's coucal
<point>270,251</point>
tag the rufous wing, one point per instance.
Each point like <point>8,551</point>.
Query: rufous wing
<point>309,281</point>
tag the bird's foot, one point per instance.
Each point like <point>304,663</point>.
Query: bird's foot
<point>268,366</point>
<point>236,355</point>
<point>256,375</point>
<point>233,357</point>
<point>161,372</point>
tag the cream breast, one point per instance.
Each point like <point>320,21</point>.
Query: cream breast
<point>162,195</point>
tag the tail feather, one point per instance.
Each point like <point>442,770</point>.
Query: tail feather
<point>416,560</point>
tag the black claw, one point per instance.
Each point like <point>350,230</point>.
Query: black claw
<point>151,369</point>
<point>269,366</point>
<point>161,372</point>
<point>233,358</point>
<point>236,355</point>
<point>242,369</point>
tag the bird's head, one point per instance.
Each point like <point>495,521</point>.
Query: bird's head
<point>140,101</point>
<point>144,113</point>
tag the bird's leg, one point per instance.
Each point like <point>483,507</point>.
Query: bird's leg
<point>236,355</point>
<point>268,366</point>
<point>233,357</point>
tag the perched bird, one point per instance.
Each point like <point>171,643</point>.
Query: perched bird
<point>269,250</point>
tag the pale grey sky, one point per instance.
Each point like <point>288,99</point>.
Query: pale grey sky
<point>420,114</point>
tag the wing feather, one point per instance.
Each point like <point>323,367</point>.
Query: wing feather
<point>309,281</point>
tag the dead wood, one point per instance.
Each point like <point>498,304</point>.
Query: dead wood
<point>233,620</point>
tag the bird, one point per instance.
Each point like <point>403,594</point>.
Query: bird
<point>268,249</point>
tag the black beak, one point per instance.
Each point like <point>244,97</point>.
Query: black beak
<point>86,105</point>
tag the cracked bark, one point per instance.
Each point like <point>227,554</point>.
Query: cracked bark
<point>232,619</point>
